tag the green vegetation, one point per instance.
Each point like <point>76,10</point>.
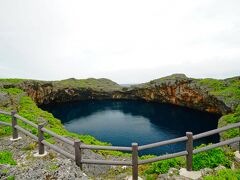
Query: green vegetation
<point>10,178</point>
<point>6,158</point>
<point>53,167</point>
<point>225,174</point>
<point>101,84</point>
<point>156,82</point>
<point>210,159</point>
<point>228,90</point>
<point>28,109</point>
<point>12,91</point>
<point>92,83</point>
<point>30,146</point>
<point>5,171</point>
<point>215,84</point>
<point>228,119</point>
<point>162,167</point>
<point>11,81</point>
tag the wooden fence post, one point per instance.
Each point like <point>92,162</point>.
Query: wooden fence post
<point>78,153</point>
<point>134,161</point>
<point>189,148</point>
<point>14,123</point>
<point>41,150</point>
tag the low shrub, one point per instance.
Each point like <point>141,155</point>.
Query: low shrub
<point>210,159</point>
<point>225,174</point>
<point>163,166</point>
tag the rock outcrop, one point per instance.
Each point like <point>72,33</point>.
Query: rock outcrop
<point>175,89</point>
<point>54,165</point>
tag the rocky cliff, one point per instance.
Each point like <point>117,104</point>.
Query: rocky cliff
<point>175,89</point>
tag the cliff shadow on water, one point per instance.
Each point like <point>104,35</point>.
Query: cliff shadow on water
<point>121,122</point>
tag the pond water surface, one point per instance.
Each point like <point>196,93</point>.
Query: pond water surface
<point>123,122</point>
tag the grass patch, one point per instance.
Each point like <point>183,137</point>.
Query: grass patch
<point>12,91</point>
<point>101,84</point>
<point>6,158</point>
<point>4,171</point>
<point>163,166</point>
<point>229,119</point>
<point>53,167</point>
<point>210,159</point>
<point>30,146</point>
<point>228,90</point>
<point>11,81</point>
<point>225,174</point>
<point>10,178</point>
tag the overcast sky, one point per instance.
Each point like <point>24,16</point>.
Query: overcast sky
<point>127,41</point>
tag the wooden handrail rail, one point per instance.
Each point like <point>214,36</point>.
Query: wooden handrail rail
<point>26,132</point>
<point>58,136</point>
<point>5,112</point>
<point>106,162</point>
<point>59,150</point>
<point>114,148</point>
<point>162,143</point>
<point>135,148</point>
<point>26,121</point>
<point>212,146</point>
<point>5,123</point>
<point>216,131</point>
<point>163,157</point>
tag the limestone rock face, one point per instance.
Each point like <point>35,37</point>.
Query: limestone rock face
<point>176,89</point>
<point>4,99</point>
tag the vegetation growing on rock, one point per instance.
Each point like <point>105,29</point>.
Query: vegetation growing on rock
<point>92,83</point>
<point>227,90</point>
<point>228,119</point>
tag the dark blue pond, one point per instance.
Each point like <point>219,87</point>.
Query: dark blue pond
<point>123,122</point>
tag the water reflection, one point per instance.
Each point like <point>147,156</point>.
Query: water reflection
<point>123,122</point>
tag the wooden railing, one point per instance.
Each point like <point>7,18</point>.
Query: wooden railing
<point>79,146</point>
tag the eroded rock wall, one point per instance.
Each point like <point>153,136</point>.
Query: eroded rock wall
<point>178,90</point>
